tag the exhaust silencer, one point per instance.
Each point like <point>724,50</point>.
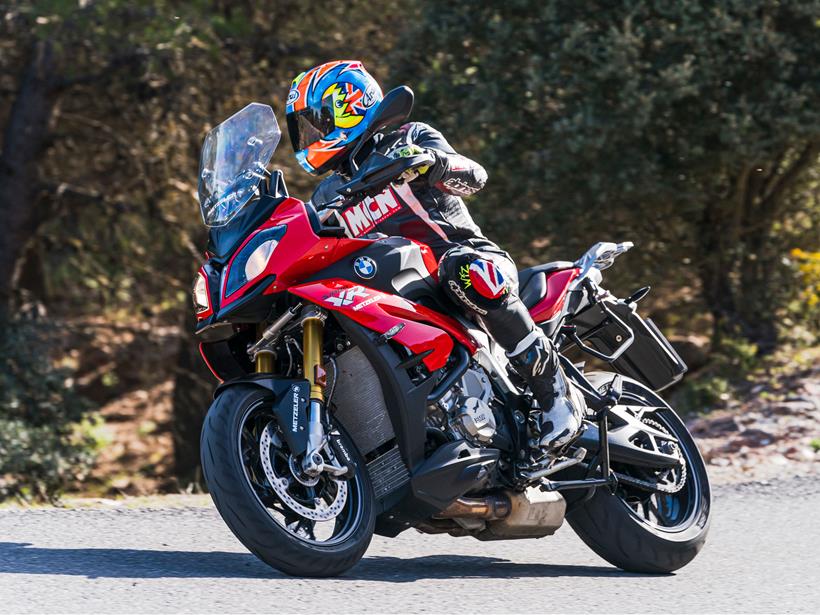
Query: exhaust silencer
<point>530,514</point>
<point>487,508</point>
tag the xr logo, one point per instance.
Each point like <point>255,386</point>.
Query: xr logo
<point>346,296</point>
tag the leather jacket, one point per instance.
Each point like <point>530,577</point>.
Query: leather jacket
<point>429,208</point>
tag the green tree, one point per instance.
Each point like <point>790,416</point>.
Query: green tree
<point>685,125</point>
<point>104,107</point>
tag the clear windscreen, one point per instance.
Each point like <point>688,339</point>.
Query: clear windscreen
<point>233,161</point>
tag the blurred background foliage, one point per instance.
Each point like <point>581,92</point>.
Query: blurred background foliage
<point>690,128</point>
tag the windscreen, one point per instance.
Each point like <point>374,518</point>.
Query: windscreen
<point>233,161</point>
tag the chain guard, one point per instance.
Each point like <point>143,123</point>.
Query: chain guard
<point>649,485</point>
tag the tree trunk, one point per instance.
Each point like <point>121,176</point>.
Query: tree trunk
<point>740,268</point>
<point>25,135</point>
<point>762,290</point>
<point>717,238</point>
<point>193,390</point>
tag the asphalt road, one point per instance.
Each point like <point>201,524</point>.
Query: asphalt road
<point>763,555</point>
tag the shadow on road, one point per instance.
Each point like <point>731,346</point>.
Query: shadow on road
<point>22,558</point>
<point>405,570</point>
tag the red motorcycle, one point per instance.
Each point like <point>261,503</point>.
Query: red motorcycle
<point>355,398</point>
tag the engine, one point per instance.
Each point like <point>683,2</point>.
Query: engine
<point>466,410</point>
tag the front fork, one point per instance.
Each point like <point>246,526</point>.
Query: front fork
<point>313,323</point>
<point>312,330</point>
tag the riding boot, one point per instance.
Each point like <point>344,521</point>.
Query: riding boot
<point>560,413</point>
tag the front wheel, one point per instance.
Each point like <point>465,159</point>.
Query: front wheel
<point>638,528</point>
<point>301,525</point>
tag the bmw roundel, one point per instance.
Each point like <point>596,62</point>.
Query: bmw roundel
<point>365,267</point>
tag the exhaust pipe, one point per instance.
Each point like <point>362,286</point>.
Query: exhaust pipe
<point>489,508</point>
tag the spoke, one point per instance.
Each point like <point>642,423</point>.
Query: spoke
<point>659,516</point>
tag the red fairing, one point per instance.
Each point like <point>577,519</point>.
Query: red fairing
<point>208,363</point>
<point>557,287</point>
<point>300,253</point>
<point>429,259</point>
<point>420,328</point>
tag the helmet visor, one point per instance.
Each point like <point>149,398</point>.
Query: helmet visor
<point>310,125</point>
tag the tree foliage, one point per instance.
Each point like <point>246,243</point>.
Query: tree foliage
<point>691,128</point>
<point>104,107</point>
<point>683,125</point>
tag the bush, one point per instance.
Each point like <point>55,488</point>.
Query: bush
<point>685,126</point>
<point>806,305</point>
<point>43,445</point>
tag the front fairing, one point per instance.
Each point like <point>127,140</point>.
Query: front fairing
<point>224,240</point>
<point>300,253</point>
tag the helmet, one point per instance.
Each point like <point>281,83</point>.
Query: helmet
<point>328,109</point>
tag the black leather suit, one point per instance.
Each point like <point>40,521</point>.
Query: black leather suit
<point>474,271</point>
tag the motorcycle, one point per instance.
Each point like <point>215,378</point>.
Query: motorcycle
<point>355,399</point>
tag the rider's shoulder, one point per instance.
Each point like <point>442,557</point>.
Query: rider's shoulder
<point>426,136</point>
<point>414,129</point>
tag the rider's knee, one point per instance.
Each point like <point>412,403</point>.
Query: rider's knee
<point>474,281</point>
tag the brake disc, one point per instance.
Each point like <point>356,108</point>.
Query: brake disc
<point>655,485</point>
<point>280,484</point>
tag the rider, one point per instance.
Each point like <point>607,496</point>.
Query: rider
<point>328,109</point>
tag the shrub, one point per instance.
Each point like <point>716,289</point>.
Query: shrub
<point>43,446</point>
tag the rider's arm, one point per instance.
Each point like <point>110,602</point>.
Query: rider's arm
<point>452,172</point>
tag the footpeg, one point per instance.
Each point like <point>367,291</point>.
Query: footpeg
<point>576,458</point>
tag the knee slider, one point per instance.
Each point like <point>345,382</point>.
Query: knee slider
<point>472,280</point>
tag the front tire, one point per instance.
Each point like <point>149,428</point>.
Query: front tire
<point>266,524</point>
<point>648,535</point>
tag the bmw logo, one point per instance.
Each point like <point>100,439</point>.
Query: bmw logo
<point>365,267</point>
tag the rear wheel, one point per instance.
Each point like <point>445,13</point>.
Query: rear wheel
<point>301,525</point>
<point>656,521</point>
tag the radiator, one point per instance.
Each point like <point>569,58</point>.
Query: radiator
<point>359,402</point>
<point>388,472</point>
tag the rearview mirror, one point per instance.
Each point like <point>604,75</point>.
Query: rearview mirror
<point>394,109</point>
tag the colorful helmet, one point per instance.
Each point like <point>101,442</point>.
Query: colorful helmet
<point>328,109</point>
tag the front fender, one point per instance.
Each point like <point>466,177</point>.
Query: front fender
<point>290,400</point>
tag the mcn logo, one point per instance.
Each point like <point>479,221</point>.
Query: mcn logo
<point>362,218</point>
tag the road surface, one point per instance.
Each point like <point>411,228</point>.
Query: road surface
<point>763,555</point>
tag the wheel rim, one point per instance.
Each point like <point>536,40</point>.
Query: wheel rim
<point>320,511</point>
<point>665,512</point>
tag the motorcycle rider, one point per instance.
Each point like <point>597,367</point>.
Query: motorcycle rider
<point>328,109</point>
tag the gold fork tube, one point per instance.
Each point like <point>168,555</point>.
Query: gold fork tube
<point>313,328</point>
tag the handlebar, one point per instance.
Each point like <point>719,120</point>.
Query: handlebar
<point>379,171</point>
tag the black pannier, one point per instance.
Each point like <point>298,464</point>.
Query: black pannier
<point>649,359</point>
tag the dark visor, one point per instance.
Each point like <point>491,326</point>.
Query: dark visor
<point>309,125</point>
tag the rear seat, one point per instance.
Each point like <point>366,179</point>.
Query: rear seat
<point>532,282</point>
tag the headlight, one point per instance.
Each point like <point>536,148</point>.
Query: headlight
<point>258,259</point>
<point>200,294</point>
<point>254,257</point>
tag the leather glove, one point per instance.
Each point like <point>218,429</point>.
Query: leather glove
<point>407,151</point>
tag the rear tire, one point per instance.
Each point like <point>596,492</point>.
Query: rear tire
<point>250,520</point>
<point>611,528</point>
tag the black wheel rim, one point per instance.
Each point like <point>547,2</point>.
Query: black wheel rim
<point>315,532</point>
<point>665,512</point>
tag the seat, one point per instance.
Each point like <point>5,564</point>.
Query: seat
<point>532,282</point>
